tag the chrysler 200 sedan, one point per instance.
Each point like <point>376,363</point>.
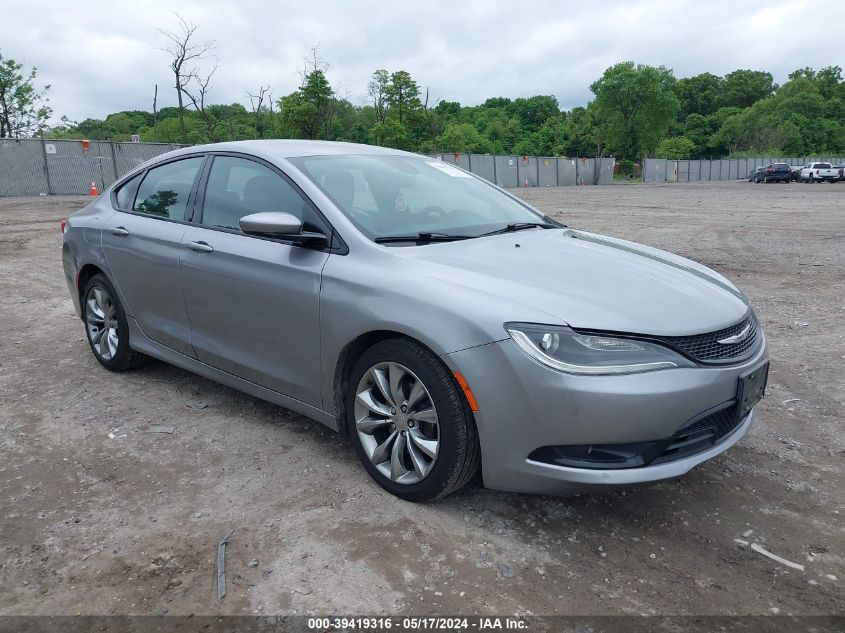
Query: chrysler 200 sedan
<point>441,323</point>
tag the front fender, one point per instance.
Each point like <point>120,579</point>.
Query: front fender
<point>444,317</point>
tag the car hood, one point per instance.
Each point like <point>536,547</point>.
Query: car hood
<point>586,281</point>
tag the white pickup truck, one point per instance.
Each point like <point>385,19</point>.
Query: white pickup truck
<point>817,172</point>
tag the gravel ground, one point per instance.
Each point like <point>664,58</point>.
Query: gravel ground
<point>99,514</point>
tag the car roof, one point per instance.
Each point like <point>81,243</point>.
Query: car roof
<point>290,148</point>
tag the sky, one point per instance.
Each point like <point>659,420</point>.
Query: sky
<point>103,57</point>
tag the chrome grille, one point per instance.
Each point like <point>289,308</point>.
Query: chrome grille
<point>707,349</point>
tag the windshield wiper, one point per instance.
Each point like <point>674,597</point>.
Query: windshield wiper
<point>422,237</point>
<point>520,226</point>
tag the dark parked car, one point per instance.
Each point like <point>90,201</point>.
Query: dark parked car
<point>755,174</point>
<point>776,172</point>
<point>795,172</point>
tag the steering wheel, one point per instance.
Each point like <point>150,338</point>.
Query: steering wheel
<point>433,211</point>
<point>360,213</point>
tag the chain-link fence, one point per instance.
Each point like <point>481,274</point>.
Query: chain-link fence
<point>665,170</point>
<point>32,167</point>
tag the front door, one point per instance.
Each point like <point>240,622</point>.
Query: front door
<point>254,303</point>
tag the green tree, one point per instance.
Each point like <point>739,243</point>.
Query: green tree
<point>377,91</point>
<point>582,135</point>
<point>23,108</point>
<point>317,91</point>
<point>676,148</point>
<point>731,133</point>
<point>307,113</point>
<point>636,105</point>
<point>391,133</point>
<point>403,95</point>
<point>533,112</point>
<point>743,88</point>
<point>701,94</point>
<point>828,80</point>
<point>699,129</point>
<point>463,138</point>
<point>635,109</point>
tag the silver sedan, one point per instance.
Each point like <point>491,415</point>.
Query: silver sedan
<point>447,327</point>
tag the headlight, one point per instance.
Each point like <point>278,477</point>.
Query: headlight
<point>561,348</point>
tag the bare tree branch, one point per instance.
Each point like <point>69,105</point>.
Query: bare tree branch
<point>256,102</point>
<point>434,129</point>
<point>184,52</point>
<point>198,95</point>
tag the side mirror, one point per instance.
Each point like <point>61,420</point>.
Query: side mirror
<point>278,224</point>
<point>271,224</point>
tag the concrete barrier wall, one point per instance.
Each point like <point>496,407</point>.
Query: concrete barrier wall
<point>31,167</point>
<point>34,166</point>
<point>695,170</point>
<point>534,171</point>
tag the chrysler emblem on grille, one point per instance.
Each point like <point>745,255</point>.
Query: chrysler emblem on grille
<point>736,338</point>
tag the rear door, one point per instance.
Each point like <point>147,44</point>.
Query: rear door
<point>142,246</point>
<point>254,302</point>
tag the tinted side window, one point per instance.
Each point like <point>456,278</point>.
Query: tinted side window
<point>126,193</point>
<point>238,187</point>
<point>165,190</point>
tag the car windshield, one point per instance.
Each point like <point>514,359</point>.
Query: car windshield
<point>390,196</point>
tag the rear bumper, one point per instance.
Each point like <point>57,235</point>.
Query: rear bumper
<point>524,406</point>
<point>70,272</point>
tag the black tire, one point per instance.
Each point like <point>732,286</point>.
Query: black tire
<point>125,358</point>
<point>459,455</point>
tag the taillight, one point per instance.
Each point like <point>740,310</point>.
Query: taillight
<point>63,226</point>
<point>771,170</point>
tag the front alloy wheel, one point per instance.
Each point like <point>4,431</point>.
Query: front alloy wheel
<point>396,422</point>
<point>410,422</point>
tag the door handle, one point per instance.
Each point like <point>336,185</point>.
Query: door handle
<point>118,230</point>
<point>199,247</point>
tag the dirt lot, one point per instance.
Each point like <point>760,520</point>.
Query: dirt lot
<point>98,515</point>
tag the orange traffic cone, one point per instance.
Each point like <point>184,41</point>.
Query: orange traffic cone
<point>93,190</point>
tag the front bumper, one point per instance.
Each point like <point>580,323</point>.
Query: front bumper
<point>524,406</point>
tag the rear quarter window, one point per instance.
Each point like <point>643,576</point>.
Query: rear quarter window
<point>125,194</point>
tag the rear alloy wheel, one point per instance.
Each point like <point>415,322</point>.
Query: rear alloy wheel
<point>106,327</point>
<point>410,424</point>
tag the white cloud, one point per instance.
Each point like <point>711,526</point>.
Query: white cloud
<point>103,56</point>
